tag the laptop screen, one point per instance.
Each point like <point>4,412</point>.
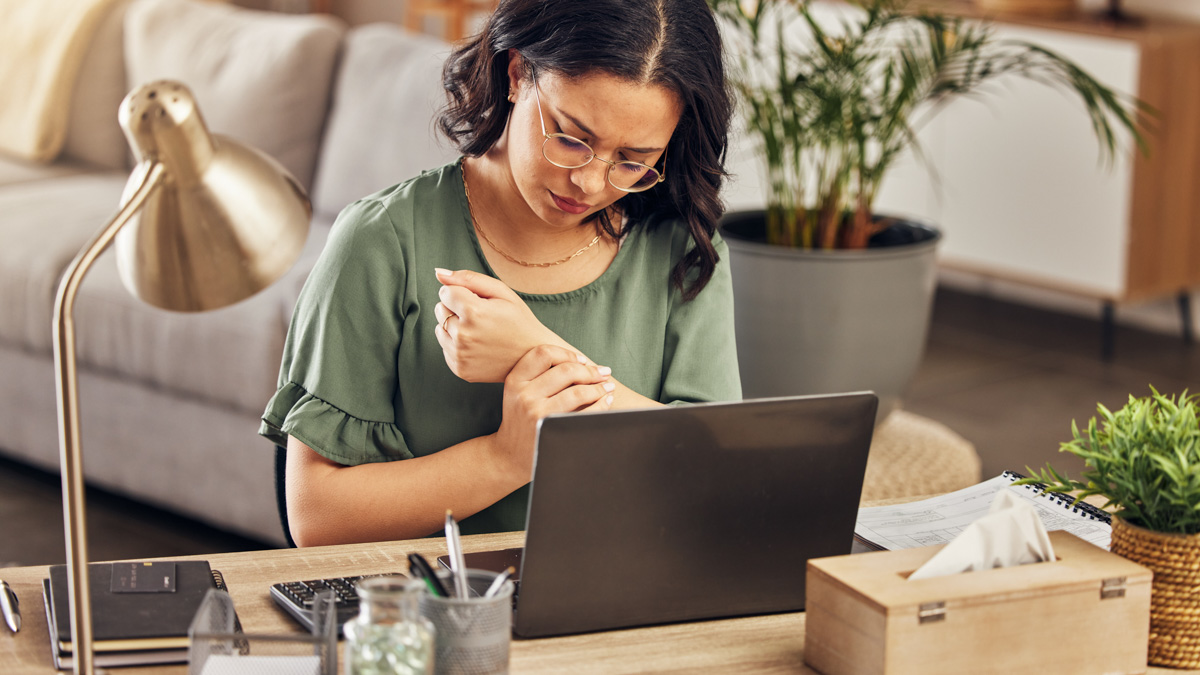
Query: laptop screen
<point>691,512</point>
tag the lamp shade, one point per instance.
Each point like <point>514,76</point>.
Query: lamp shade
<point>226,220</point>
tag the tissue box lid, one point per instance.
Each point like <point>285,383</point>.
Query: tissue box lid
<point>880,578</point>
<point>1086,612</point>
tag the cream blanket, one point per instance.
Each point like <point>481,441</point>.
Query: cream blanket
<point>42,44</point>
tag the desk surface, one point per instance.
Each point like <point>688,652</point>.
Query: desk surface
<point>759,644</point>
<point>764,644</point>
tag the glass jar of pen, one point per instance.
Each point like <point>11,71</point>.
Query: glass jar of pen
<point>389,636</point>
<point>471,611</point>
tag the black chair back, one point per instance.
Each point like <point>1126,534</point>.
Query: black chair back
<point>281,492</point>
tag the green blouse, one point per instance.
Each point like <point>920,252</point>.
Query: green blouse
<point>363,377</point>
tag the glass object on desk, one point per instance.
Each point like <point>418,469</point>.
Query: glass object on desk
<point>389,636</point>
<point>217,645</point>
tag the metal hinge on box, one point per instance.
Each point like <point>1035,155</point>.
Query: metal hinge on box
<point>929,612</point>
<point>1112,588</point>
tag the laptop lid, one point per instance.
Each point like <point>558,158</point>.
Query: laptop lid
<point>692,512</point>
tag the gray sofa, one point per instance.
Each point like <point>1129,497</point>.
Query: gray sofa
<point>170,403</point>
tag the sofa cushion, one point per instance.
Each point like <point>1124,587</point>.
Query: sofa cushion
<point>43,224</point>
<point>381,129</point>
<point>13,171</point>
<point>93,134</point>
<point>262,78</point>
<point>230,356</point>
<point>42,46</point>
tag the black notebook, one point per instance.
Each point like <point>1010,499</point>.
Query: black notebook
<point>136,607</point>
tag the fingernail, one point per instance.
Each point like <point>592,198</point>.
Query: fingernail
<point>605,370</point>
<point>609,386</point>
<point>581,358</point>
<point>608,400</point>
<point>442,272</point>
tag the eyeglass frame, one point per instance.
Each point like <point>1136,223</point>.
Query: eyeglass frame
<point>662,175</point>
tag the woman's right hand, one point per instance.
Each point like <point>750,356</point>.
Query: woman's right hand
<point>547,379</point>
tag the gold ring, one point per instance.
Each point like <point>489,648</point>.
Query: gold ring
<point>447,321</point>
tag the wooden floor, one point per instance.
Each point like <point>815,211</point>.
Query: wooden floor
<point>1008,378</point>
<point>1011,378</point>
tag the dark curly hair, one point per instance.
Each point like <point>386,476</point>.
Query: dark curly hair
<point>671,43</point>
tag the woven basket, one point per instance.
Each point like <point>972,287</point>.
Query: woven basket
<point>1175,592</point>
<point>915,456</point>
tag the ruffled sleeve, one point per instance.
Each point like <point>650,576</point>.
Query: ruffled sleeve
<point>340,436</point>
<point>338,380</point>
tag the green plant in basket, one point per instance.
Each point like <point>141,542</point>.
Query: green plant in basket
<point>1144,459</point>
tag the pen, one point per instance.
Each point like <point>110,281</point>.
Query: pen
<point>458,568</point>
<point>419,566</point>
<point>499,582</point>
<point>10,607</point>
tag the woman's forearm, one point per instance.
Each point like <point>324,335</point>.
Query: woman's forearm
<point>329,503</point>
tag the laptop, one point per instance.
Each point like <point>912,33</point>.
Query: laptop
<point>682,513</point>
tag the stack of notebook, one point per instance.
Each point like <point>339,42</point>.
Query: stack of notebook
<point>140,611</point>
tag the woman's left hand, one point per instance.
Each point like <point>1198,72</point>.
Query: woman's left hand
<point>484,327</point>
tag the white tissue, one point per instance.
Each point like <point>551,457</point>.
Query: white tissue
<point>1010,534</point>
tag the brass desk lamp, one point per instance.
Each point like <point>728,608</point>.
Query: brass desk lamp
<point>211,222</point>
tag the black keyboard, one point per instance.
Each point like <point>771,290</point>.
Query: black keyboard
<point>297,597</point>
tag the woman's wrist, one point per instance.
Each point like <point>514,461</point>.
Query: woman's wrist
<point>554,339</point>
<point>625,398</point>
<point>504,463</point>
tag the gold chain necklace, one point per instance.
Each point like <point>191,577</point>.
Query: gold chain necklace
<point>522,263</point>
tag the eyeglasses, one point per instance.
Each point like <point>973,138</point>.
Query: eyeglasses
<point>568,152</point>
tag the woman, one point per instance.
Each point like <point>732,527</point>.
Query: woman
<point>567,263</point>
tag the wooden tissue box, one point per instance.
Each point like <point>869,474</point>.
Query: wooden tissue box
<point>1087,612</point>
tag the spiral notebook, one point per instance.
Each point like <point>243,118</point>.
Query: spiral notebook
<point>939,519</point>
<point>131,628</point>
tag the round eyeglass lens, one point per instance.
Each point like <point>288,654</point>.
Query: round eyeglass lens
<point>566,152</point>
<point>632,176</point>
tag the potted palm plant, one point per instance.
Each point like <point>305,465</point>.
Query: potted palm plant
<point>829,294</point>
<point>1144,459</point>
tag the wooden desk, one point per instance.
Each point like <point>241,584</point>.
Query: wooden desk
<point>756,644</point>
<point>764,644</point>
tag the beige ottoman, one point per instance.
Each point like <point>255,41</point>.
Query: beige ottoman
<point>913,455</point>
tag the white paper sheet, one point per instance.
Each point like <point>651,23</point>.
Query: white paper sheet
<point>225,664</point>
<point>939,519</point>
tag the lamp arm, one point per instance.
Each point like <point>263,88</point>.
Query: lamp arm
<point>70,453</point>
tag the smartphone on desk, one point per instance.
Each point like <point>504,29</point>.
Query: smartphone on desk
<point>492,561</point>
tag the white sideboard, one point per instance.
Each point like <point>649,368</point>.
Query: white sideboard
<point>1021,193</point>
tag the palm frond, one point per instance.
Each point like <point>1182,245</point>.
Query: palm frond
<point>840,104</point>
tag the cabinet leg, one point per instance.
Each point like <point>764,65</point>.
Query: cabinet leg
<point>1107,331</point>
<point>1185,316</point>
